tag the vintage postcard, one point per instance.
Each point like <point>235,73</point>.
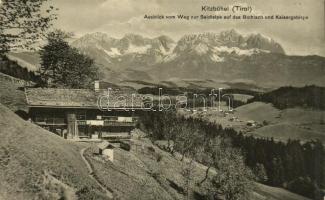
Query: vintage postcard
<point>162,99</point>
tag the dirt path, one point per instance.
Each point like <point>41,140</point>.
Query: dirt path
<point>109,194</point>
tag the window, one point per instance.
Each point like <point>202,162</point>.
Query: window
<point>81,115</point>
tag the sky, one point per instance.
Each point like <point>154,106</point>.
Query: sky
<point>119,17</point>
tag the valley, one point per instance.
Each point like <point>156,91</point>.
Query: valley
<point>278,103</point>
<point>38,164</point>
<point>282,125</point>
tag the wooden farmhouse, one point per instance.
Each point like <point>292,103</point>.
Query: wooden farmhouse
<point>84,113</point>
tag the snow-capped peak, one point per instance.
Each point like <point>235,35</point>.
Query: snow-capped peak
<point>137,49</point>
<point>114,52</point>
<point>230,38</point>
<point>238,51</point>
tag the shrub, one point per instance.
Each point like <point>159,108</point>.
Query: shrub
<point>303,186</point>
<point>125,146</point>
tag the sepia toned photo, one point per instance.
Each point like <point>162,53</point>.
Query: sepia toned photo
<point>162,100</point>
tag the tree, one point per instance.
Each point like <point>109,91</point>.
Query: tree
<point>52,55</point>
<point>65,66</point>
<point>169,126</point>
<point>260,173</point>
<point>188,138</point>
<point>207,154</point>
<point>304,186</point>
<point>233,178</point>
<point>23,22</point>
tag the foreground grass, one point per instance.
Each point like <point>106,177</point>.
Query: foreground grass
<point>36,164</point>
<point>274,193</point>
<point>11,94</point>
<point>147,172</point>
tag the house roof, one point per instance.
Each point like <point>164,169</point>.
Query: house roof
<point>104,145</point>
<point>82,98</point>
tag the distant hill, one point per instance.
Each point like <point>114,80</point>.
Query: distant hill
<point>12,67</point>
<point>28,60</point>
<point>288,97</point>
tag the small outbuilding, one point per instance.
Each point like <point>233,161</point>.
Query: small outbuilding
<point>106,149</point>
<point>251,123</point>
<point>109,154</point>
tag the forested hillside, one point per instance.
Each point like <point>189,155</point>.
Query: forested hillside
<point>296,166</point>
<point>12,68</point>
<point>288,97</point>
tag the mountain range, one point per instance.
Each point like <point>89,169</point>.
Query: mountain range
<point>206,59</point>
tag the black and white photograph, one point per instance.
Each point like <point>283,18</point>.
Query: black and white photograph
<point>162,100</point>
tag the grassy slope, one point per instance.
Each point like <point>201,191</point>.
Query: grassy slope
<point>242,97</point>
<point>146,178</point>
<point>10,95</point>
<point>284,131</point>
<point>257,111</point>
<point>294,123</point>
<point>264,192</point>
<point>132,178</point>
<point>28,153</point>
